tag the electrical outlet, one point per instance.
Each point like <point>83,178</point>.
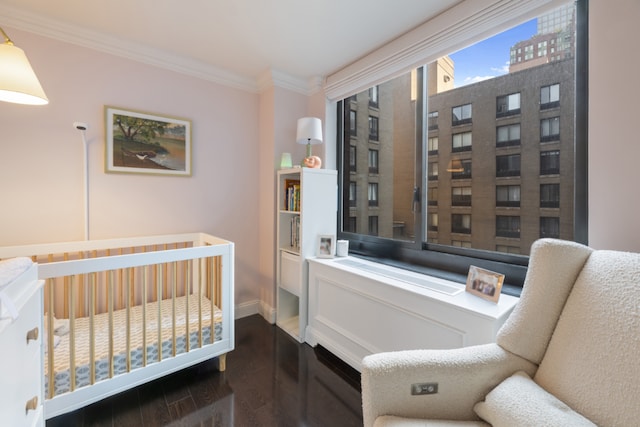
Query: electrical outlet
<point>424,388</point>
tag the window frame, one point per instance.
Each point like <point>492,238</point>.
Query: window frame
<point>453,262</point>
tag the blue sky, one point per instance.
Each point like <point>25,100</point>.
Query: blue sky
<point>489,58</point>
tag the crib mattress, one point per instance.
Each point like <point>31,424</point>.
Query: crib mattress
<point>62,372</point>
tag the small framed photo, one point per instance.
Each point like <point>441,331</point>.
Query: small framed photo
<point>326,246</point>
<point>146,143</point>
<point>484,283</point>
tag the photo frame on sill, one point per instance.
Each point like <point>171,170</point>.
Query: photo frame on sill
<point>484,283</point>
<point>326,246</point>
<point>145,143</point>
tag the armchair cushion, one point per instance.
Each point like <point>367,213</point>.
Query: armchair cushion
<point>464,375</point>
<point>518,401</point>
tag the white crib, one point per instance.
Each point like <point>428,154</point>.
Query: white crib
<point>122,312</point>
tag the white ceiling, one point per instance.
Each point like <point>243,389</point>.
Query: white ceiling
<point>233,40</point>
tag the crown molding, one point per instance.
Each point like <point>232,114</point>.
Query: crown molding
<point>43,26</point>
<point>275,78</point>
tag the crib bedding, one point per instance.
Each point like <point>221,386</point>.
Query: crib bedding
<point>196,302</point>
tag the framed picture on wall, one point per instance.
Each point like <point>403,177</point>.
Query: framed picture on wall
<point>484,283</point>
<point>146,143</point>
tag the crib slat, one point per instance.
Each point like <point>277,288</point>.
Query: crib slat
<point>72,334</point>
<point>173,298</point>
<point>50,337</point>
<point>110,285</point>
<point>92,328</point>
<point>144,315</point>
<point>159,322</point>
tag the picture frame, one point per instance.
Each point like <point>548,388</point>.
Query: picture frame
<point>326,246</point>
<point>145,143</point>
<point>484,283</point>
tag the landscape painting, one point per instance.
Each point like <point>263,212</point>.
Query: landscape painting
<point>147,143</point>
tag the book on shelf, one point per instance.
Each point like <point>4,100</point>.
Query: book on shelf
<point>295,232</point>
<point>292,195</point>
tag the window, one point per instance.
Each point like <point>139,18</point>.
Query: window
<point>373,128</point>
<point>353,123</point>
<point>549,227</point>
<point>432,120</point>
<point>432,221</point>
<point>461,223</point>
<point>507,226</point>
<point>550,129</point>
<point>549,195</point>
<point>373,161</point>
<point>508,195</point>
<point>461,196</point>
<point>432,171</point>
<point>461,115</point>
<point>373,97</point>
<point>373,194</point>
<point>352,194</point>
<point>461,142</point>
<point>507,181</point>
<point>508,165</point>
<point>508,135</point>
<point>432,196</point>
<point>432,145</point>
<point>373,225</point>
<point>508,105</point>
<point>466,170</point>
<point>550,162</point>
<point>549,96</point>
<point>352,158</point>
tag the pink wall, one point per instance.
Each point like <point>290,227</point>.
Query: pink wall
<point>41,157</point>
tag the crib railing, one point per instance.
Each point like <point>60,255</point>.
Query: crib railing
<point>139,277</point>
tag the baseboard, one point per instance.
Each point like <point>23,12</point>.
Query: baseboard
<point>256,307</point>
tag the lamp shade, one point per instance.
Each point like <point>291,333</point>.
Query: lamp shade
<point>309,131</point>
<point>18,82</point>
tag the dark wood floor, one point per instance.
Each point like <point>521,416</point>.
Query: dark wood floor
<point>270,380</point>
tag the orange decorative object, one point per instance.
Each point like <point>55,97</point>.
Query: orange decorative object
<point>312,162</point>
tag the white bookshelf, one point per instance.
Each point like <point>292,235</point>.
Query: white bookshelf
<point>298,227</point>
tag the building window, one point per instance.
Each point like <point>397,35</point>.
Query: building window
<point>373,225</point>
<point>373,194</point>
<point>432,120</point>
<point>461,196</point>
<point>550,129</point>
<point>373,161</point>
<point>549,195</point>
<point>432,221</point>
<point>461,223</point>
<point>409,189</point>
<point>373,97</point>
<point>351,224</point>
<point>432,172</point>
<point>507,226</point>
<point>373,128</point>
<point>352,194</point>
<point>465,173</point>
<point>549,227</point>
<point>352,158</point>
<point>549,96</point>
<point>550,162</point>
<point>432,196</point>
<point>432,145</point>
<point>507,249</point>
<point>508,195</point>
<point>461,142</point>
<point>461,244</point>
<point>508,165</point>
<point>353,123</point>
<point>508,135</point>
<point>508,105</point>
<point>461,115</point>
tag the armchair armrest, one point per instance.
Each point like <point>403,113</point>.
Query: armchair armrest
<point>464,377</point>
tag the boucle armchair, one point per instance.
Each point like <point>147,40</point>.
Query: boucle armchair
<point>569,354</point>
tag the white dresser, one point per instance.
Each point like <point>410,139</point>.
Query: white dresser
<point>21,338</point>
